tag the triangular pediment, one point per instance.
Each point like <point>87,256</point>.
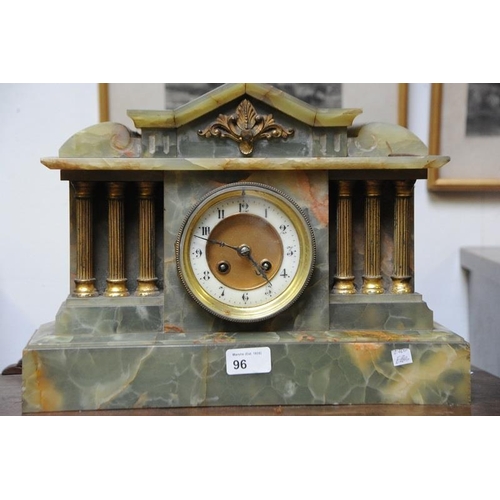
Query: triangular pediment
<point>267,94</point>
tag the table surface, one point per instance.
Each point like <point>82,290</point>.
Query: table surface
<point>485,401</point>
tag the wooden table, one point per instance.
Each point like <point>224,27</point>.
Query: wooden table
<point>485,401</point>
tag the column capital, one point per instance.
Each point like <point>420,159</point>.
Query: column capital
<point>373,188</point>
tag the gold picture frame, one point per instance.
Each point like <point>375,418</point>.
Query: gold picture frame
<point>472,166</point>
<point>398,107</point>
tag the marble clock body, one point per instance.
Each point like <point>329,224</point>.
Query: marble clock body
<point>342,324</point>
<point>311,309</point>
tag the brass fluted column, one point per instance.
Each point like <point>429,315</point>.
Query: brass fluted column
<point>344,277</point>
<point>116,281</point>
<point>372,278</point>
<point>146,281</point>
<point>402,273</point>
<point>84,280</point>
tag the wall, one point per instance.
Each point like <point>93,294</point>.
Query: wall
<point>38,118</point>
<point>445,222</point>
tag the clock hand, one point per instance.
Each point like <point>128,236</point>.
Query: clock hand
<point>245,251</point>
<point>217,242</point>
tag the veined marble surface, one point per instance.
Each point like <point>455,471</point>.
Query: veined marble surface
<point>104,140</point>
<point>103,315</point>
<point>88,372</point>
<point>385,139</point>
<point>221,164</point>
<point>308,189</point>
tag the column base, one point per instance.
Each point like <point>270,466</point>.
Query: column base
<point>401,285</point>
<point>147,288</point>
<point>85,288</point>
<point>372,285</point>
<point>344,285</point>
<point>116,288</point>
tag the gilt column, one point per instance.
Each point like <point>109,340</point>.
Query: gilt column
<point>146,282</point>
<point>84,280</point>
<point>402,272</point>
<point>344,277</point>
<point>116,280</point>
<point>372,277</point>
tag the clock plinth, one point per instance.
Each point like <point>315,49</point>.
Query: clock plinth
<point>211,310</point>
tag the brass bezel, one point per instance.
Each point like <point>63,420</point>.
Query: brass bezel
<point>277,304</point>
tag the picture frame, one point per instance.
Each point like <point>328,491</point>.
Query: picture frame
<point>457,130</point>
<point>381,102</point>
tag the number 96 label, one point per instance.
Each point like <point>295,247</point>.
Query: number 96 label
<point>248,360</point>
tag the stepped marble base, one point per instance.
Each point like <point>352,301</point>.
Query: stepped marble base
<point>157,370</point>
<point>380,312</point>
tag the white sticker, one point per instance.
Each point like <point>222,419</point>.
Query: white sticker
<point>248,360</point>
<point>401,357</point>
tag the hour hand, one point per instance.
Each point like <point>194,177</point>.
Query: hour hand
<point>245,251</point>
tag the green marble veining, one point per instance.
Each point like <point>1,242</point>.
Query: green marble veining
<point>385,139</point>
<point>310,192</point>
<point>374,313</point>
<point>103,315</point>
<point>110,140</point>
<point>219,164</point>
<point>88,372</point>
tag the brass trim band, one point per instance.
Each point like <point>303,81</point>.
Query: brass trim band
<point>344,277</point>
<point>84,280</point>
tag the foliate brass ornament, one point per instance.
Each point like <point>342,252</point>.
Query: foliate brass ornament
<point>246,127</point>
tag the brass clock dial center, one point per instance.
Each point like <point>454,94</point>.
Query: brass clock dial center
<point>254,237</point>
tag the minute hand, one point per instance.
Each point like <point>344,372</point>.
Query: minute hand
<point>217,242</point>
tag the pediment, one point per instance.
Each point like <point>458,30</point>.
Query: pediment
<point>243,120</point>
<point>218,98</point>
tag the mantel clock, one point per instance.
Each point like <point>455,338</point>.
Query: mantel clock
<point>243,249</point>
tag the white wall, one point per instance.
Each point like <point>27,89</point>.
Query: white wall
<point>445,222</point>
<point>36,119</point>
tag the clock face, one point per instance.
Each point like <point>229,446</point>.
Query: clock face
<point>245,252</point>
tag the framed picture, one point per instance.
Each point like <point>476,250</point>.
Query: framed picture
<point>381,102</point>
<point>465,125</point>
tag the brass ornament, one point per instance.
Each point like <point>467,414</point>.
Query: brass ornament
<point>84,279</point>
<point>344,276</point>
<point>116,283</point>
<point>403,208</point>
<point>246,127</point>
<point>146,281</point>
<point>372,277</point>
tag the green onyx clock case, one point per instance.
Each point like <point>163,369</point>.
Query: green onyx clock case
<point>246,248</point>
